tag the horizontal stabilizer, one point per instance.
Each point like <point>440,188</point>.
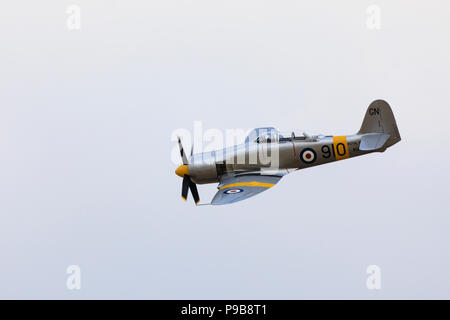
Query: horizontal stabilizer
<point>373,141</point>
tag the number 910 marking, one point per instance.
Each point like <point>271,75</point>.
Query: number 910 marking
<point>339,148</point>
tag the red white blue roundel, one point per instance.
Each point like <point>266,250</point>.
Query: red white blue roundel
<point>308,155</point>
<point>233,191</point>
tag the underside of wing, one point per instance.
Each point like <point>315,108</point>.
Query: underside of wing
<point>237,188</point>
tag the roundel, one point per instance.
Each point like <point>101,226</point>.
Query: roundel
<point>308,155</point>
<point>233,191</point>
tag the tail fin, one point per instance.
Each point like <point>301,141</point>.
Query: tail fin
<point>380,119</point>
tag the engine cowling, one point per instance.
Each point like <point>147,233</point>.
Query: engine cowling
<point>203,169</point>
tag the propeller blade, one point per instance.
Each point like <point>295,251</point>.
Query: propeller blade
<point>183,155</point>
<point>184,188</point>
<point>194,191</point>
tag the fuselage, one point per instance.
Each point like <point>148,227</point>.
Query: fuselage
<point>274,156</point>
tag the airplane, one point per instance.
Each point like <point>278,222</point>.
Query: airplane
<point>243,171</point>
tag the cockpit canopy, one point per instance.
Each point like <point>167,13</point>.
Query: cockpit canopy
<point>270,134</point>
<point>264,134</point>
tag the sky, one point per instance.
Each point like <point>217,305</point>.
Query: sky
<point>87,117</point>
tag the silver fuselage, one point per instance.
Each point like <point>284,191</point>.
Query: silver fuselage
<point>275,157</point>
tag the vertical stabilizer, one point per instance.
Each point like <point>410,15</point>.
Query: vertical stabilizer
<point>380,119</point>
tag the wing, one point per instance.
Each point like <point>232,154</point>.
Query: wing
<point>237,188</point>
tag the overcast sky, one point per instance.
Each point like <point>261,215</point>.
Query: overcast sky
<point>86,176</point>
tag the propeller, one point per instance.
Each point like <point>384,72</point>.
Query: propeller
<point>183,171</point>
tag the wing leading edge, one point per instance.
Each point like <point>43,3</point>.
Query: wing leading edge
<point>237,188</point>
